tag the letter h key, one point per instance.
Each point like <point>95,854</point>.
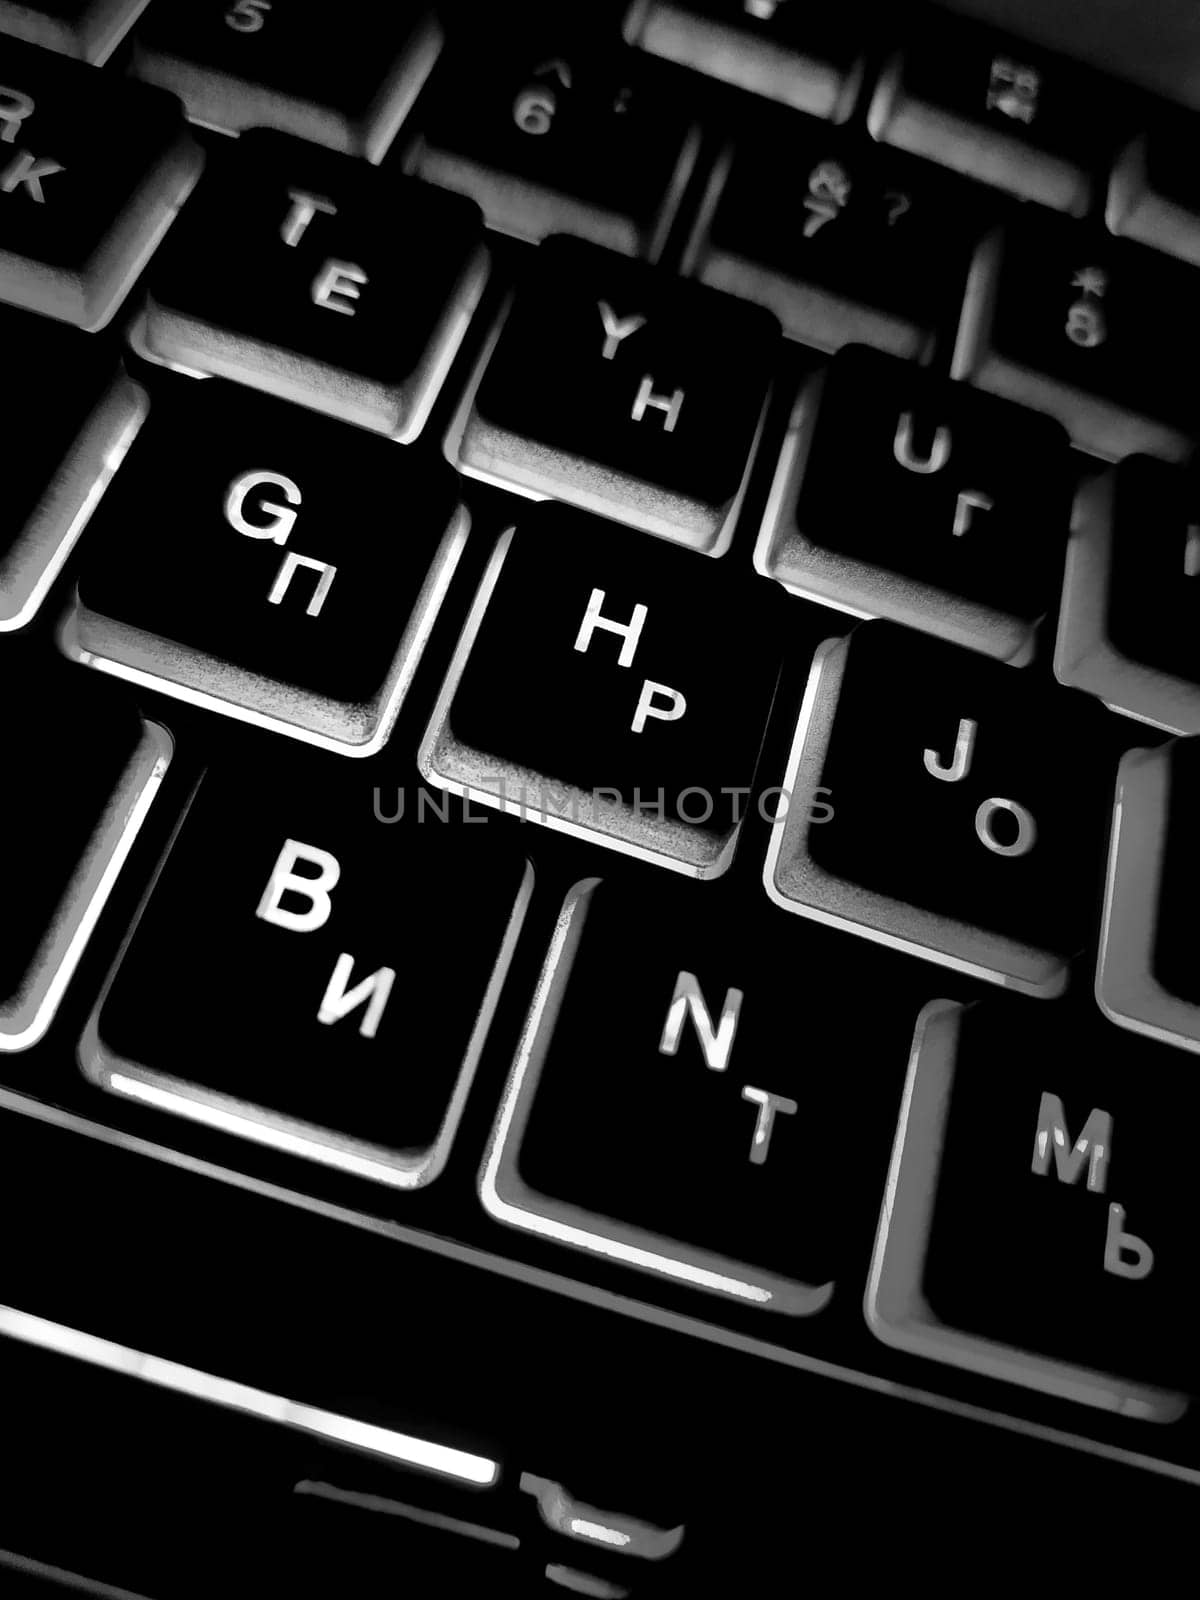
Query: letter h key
<point>611,685</point>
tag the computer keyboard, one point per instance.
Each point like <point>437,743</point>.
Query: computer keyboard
<point>599,681</point>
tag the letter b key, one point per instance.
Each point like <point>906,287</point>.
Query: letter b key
<point>274,987</point>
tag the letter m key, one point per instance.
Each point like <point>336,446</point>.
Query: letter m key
<point>1052,1141</point>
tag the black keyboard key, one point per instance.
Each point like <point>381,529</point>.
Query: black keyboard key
<point>557,130</point>
<point>1034,1231</point>
<point>345,82</point>
<point>272,985</point>
<point>1127,626</point>
<point>82,769</point>
<point>1096,330</point>
<point>874,248</point>
<point>658,1067</point>
<point>90,30</point>
<point>810,60</point>
<point>1173,963</point>
<point>62,444</point>
<point>612,686</point>
<point>336,287</point>
<point>625,391</point>
<point>304,565</point>
<point>902,495</point>
<point>1154,194</point>
<point>92,169</point>
<point>1147,976</point>
<point>968,808</point>
<point>1002,111</point>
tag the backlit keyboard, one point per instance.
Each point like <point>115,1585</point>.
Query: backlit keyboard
<point>602,700</point>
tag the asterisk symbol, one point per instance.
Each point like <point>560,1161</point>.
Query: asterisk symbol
<point>1092,280</point>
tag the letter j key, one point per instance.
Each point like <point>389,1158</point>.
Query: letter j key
<point>969,808</point>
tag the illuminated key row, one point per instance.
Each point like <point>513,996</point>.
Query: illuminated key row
<point>619,688</point>
<point>668,1136</point>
